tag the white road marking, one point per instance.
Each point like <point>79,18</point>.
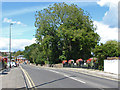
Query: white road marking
<point>54,71</point>
<point>30,81</point>
<point>68,76</point>
<point>74,78</point>
<point>94,75</point>
<point>26,77</point>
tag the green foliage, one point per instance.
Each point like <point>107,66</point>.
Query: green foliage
<point>30,52</point>
<point>109,49</point>
<point>62,57</point>
<point>65,32</point>
<point>18,53</point>
<point>13,54</point>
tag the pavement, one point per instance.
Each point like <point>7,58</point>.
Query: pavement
<point>36,77</point>
<point>12,78</point>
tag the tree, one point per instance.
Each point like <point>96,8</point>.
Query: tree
<point>109,49</point>
<point>65,28</point>
<point>30,52</point>
<point>18,53</point>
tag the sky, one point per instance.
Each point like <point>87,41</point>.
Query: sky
<point>104,13</point>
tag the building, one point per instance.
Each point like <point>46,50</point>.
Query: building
<point>21,58</point>
<point>5,53</point>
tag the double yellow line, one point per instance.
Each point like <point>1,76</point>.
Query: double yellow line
<point>30,81</point>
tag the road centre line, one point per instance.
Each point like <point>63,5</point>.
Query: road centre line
<point>67,76</point>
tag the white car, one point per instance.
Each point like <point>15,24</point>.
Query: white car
<point>13,64</point>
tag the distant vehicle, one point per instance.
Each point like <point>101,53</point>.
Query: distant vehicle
<point>13,64</point>
<point>17,63</point>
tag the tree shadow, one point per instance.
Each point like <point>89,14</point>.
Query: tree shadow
<point>4,72</point>
<point>52,81</point>
<point>23,88</point>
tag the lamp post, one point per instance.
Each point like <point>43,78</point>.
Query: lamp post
<point>10,44</point>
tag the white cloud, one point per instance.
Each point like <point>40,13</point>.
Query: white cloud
<point>106,33</point>
<point>107,2</point>
<point>6,20</point>
<point>108,27</point>
<point>19,22</point>
<point>111,16</point>
<point>23,11</point>
<point>16,44</point>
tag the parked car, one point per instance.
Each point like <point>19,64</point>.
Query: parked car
<point>13,64</point>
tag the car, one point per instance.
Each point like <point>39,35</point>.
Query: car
<point>13,64</point>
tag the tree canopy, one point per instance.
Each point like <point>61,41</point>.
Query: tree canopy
<point>109,49</point>
<point>18,53</point>
<point>65,32</point>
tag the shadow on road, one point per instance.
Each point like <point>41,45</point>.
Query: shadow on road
<point>23,88</point>
<point>53,81</point>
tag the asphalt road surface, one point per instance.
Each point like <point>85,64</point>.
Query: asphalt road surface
<point>37,77</point>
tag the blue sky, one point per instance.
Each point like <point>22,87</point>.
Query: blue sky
<point>23,16</point>
<point>25,13</point>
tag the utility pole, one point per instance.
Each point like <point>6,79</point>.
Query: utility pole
<point>10,44</point>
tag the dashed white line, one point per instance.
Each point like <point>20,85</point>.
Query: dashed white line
<point>54,71</point>
<point>68,76</point>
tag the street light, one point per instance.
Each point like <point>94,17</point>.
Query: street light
<point>10,44</point>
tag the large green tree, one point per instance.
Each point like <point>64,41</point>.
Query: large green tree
<point>65,31</point>
<point>109,49</point>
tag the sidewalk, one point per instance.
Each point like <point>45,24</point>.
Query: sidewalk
<point>13,78</point>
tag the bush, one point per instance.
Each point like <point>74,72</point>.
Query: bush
<point>101,68</point>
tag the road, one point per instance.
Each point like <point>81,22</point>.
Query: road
<point>56,78</point>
